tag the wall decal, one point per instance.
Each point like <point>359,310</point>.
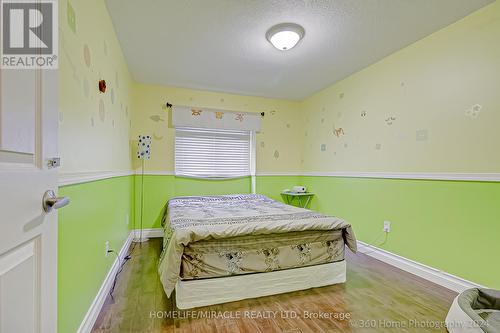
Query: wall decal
<point>341,95</point>
<point>239,117</point>
<point>262,144</point>
<point>378,146</point>
<point>156,118</point>
<point>102,86</point>
<point>276,154</point>
<point>323,147</point>
<point>195,112</point>
<point>305,134</point>
<point>86,55</point>
<point>157,137</point>
<point>102,110</point>
<point>322,120</point>
<point>273,112</point>
<point>389,121</point>
<point>71,16</point>
<point>219,115</point>
<point>288,125</point>
<point>473,111</point>
<point>363,113</point>
<point>422,135</point>
<point>402,84</point>
<point>338,132</point>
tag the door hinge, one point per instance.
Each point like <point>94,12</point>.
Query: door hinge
<point>53,162</point>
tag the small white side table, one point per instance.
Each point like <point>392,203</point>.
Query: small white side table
<point>303,199</point>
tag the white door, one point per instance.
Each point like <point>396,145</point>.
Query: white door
<point>28,235</point>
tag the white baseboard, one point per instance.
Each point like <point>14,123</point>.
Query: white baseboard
<point>437,276</point>
<point>149,233</point>
<point>91,316</point>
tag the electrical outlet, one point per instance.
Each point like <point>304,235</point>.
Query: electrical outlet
<point>387,226</point>
<point>107,248</point>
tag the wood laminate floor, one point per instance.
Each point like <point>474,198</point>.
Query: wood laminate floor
<point>376,298</point>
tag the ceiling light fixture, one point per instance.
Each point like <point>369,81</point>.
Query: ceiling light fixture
<point>285,36</point>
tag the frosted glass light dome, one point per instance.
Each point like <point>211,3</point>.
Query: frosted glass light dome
<point>285,36</point>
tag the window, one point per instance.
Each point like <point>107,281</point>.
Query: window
<point>213,153</point>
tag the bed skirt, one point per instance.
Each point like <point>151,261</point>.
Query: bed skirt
<point>196,293</point>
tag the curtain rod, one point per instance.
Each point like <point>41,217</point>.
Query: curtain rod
<point>169,106</point>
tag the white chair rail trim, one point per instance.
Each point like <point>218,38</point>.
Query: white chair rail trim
<point>484,177</point>
<point>73,178</point>
<point>66,179</point>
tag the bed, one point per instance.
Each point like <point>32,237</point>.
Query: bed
<point>214,245</point>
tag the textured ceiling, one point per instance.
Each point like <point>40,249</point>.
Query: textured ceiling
<point>220,45</point>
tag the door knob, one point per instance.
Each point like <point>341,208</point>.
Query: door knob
<point>51,201</point>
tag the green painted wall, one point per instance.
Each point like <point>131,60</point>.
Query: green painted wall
<point>272,186</point>
<point>97,214</point>
<point>449,225</point>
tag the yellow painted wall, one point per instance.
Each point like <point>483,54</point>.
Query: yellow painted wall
<point>93,127</point>
<point>414,110</point>
<point>278,146</point>
<point>428,88</point>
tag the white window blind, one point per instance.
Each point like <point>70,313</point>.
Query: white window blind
<point>212,153</point>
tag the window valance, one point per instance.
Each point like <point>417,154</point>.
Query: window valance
<point>194,117</point>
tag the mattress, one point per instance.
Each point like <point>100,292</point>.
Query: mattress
<point>234,235</point>
<point>254,254</point>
